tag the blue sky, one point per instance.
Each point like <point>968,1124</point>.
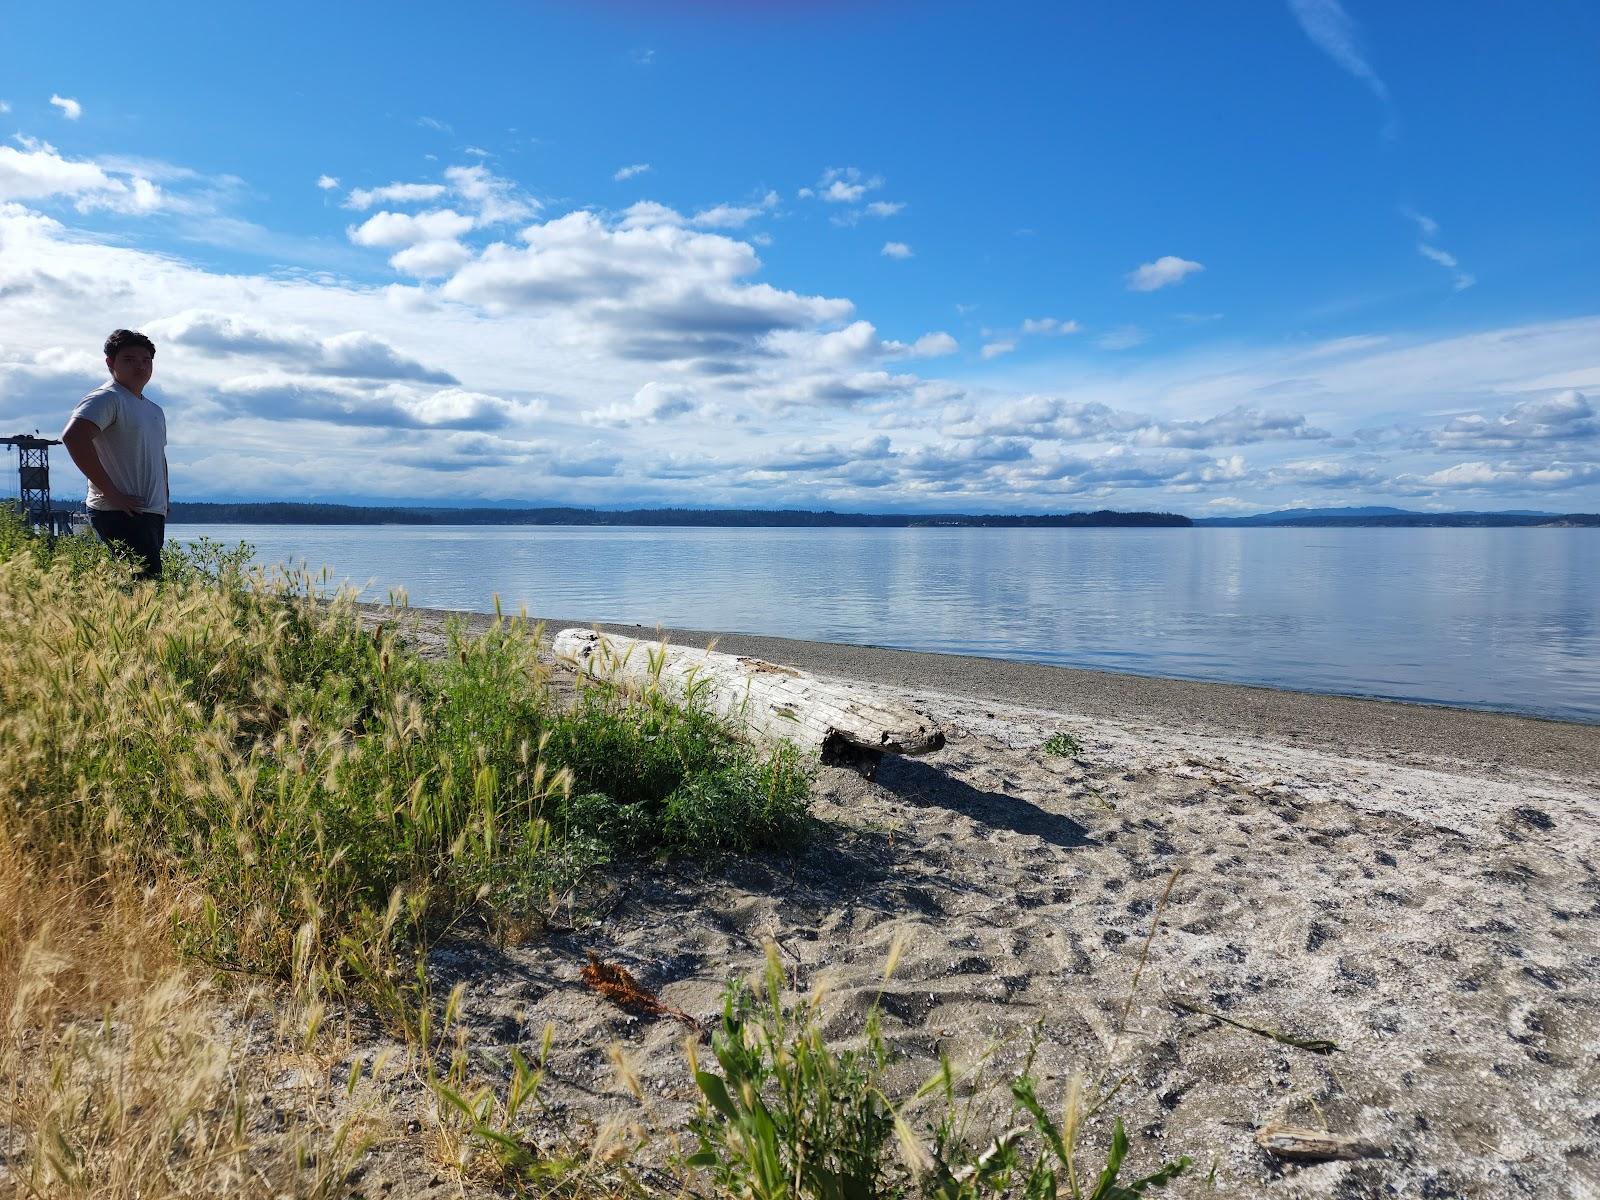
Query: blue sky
<point>879,256</point>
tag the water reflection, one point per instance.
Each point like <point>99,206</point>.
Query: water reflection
<point>1487,617</point>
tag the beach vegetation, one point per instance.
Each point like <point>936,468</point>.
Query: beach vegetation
<point>790,1117</point>
<point>249,737</point>
<point>236,815</point>
<point>1062,745</point>
<point>236,760</point>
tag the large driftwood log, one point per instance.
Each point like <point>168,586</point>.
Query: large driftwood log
<point>846,724</point>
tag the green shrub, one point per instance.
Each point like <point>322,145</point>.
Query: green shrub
<point>652,778</point>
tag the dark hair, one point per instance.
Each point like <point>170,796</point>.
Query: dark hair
<point>121,339</point>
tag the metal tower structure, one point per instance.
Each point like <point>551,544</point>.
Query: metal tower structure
<point>33,477</point>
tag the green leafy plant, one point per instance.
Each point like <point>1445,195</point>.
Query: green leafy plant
<point>791,1118</point>
<point>1062,745</point>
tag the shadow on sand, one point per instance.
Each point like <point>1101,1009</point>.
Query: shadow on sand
<point>926,786</point>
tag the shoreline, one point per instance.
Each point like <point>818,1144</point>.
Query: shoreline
<point>1434,736</point>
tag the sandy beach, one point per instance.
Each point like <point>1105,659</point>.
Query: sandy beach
<point>1416,885</point>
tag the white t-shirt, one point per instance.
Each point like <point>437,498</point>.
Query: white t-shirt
<point>132,445</point>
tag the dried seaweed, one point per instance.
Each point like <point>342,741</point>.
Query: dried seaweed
<point>622,989</point>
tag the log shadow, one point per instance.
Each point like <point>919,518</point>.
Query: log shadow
<point>926,786</point>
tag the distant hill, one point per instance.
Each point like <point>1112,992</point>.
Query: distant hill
<point>1378,516</point>
<point>282,513</point>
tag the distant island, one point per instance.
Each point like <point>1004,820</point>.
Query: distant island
<point>284,513</point>
<point>1330,518</point>
<point>294,513</point>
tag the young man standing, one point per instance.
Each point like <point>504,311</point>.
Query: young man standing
<point>118,439</point>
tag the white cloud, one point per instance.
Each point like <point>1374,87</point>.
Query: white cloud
<point>996,349</point>
<point>1469,474</point>
<point>651,404</point>
<point>327,182</point>
<point>933,345</point>
<point>820,458</point>
<point>1566,416</point>
<point>647,214</point>
<point>856,341</point>
<point>825,390</point>
<point>1167,270</point>
<point>279,397</point>
<point>844,185</point>
<point>1236,427</point>
<point>1057,419</point>
<point>1445,259</point>
<point>427,244</point>
<point>407,229</point>
<point>5,107</point>
<point>885,208</point>
<point>394,193</point>
<point>70,108</point>
<point>1327,24</point>
<point>895,250</point>
<point>434,124</point>
<point>1051,418</point>
<point>353,353</point>
<point>630,171</point>
<point>1325,472</point>
<point>494,200</point>
<point>1426,225</point>
<point>655,292</point>
<point>431,259</point>
<point>39,172</point>
<point>733,216</point>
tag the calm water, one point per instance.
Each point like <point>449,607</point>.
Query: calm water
<point>1493,618</point>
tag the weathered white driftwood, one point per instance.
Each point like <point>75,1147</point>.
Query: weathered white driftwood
<point>846,724</point>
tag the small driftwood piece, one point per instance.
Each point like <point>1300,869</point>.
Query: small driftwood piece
<point>1313,1145</point>
<point>845,724</point>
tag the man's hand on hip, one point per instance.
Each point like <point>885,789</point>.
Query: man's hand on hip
<point>122,502</point>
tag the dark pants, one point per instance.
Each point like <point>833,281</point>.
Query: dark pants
<point>137,536</point>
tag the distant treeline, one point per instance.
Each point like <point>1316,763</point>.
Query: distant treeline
<point>349,514</point>
<point>1416,521</point>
